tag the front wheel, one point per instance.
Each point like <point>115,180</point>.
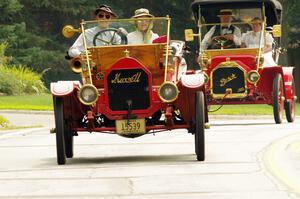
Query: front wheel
<point>278,98</point>
<point>68,136</point>
<point>199,130</point>
<point>59,125</point>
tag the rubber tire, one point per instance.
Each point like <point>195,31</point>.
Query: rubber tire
<point>290,106</point>
<point>68,136</point>
<point>59,126</point>
<point>277,98</point>
<point>199,130</point>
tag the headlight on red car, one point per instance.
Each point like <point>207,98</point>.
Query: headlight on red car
<point>88,94</point>
<point>253,77</point>
<point>168,92</point>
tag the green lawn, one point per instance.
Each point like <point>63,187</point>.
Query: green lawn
<point>246,109</point>
<point>44,102</point>
<point>27,102</point>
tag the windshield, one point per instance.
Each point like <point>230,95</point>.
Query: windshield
<point>125,32</point>
<point>231,28</point>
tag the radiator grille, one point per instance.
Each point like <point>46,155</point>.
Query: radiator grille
<point>128,87</point>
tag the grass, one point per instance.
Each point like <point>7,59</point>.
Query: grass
<point>246,109</point>
<point>44,103</point>
<point>27,102</point>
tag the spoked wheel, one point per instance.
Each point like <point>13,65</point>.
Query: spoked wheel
<point>116,37</point>
<point>278,100</point>
<point>289,106</point>
<point>199,131</point>
<point>59,125</point>
<point>221,42</point>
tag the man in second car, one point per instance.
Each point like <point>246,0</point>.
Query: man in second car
<point>224,35</point>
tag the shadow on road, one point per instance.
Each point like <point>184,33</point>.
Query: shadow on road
<point>182,158</point>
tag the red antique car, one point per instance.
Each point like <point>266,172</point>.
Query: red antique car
<point>129,90</point>
<point>240,74</point>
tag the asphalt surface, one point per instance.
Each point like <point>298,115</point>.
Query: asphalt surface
<point>281,160</point>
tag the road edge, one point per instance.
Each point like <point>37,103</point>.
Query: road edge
<point>274,162</point>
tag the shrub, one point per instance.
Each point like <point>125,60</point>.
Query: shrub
<point>9,84</point>
<point>3,122</point>
<point>17,80</point>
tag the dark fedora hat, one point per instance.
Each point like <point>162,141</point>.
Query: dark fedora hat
<point>105,8</point>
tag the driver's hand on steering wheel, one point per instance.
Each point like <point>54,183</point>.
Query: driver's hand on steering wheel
<point>229,37</point>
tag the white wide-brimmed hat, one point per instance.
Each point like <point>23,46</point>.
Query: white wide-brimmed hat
<point>142,12</point>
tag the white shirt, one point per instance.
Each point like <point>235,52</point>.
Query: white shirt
<point>236,36</point>
<point>251,40</point>
<point>78,47</point>
<point>137,37</point>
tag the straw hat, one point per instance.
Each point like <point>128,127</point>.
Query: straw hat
<point>142,12</point>
<point>225,12</point>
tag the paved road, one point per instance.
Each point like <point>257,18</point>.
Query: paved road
<point>245,158</point>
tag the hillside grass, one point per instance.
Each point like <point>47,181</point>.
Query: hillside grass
<point>44,103</point>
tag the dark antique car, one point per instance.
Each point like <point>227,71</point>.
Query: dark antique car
<point>237,74</point>
<point>129,90</point>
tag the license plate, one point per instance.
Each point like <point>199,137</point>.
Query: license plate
<point>133,126</point>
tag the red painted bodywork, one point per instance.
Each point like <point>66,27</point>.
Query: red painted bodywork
<point>74,111</point>
<point>259,93</point>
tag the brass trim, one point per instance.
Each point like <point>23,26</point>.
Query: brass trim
<point>248,75</point>
<point>167,47</point>
<point>82,101</point>
<point>86,52</point>
<point>188,35</point>
<point>128,20</point>
<point>176,88</point>
<point>229,64</point>
<point>229,96</point>
<point>204,60</point>
<point>126,53</point>
<point>76,64</point>
<point>233,51</point>
<point>68,31</point>
<point>206,77</point>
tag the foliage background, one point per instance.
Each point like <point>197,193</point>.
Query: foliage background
<point>31,29</point>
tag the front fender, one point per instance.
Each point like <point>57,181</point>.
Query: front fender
<point>190,83</point>
<point>288,83</point>
<point>192,80</point>
<point>63,88</point>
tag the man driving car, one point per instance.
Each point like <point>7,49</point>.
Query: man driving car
<point>224,35</point>
<point>97,36</point>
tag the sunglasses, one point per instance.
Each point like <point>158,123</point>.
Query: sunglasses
<point>143,21</point>
<point>101,16</point>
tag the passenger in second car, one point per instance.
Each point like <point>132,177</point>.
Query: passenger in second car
<point>143,33</point>
<point>252,38</point>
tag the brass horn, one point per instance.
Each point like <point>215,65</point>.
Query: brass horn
<point>68,31</point>
<point>76,65</point>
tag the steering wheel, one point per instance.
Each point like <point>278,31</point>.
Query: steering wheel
<point>221,42</point>
<point>115,37</point>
